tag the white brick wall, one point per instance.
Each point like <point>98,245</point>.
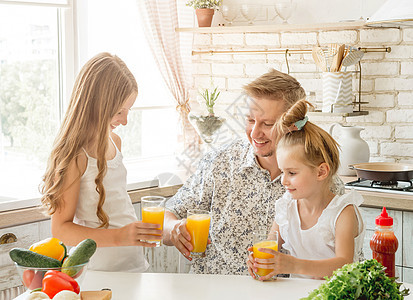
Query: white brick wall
<point>262,39</point>
<point>374,36</point>
<point>307,38</point>
<point>343,37</point>
<point>387,78</point>
<point>388,68</point>
<point>400,115</point>
<point>405,99</point>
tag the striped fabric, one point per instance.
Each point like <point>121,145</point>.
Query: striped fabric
<point>12,293</point>
<point>172,52</point>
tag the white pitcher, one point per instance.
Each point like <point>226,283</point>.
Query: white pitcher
<point>354,149</point>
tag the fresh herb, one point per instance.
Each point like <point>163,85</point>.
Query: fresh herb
<point>361,280</point>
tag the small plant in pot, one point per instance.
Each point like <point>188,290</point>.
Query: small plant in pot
<point>208,124</point>
<point>204,10</point>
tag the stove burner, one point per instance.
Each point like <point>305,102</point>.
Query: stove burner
<point>384,183</point>
<point>399,186</point>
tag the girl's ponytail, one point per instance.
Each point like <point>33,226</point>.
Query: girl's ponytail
<point>293,128</point>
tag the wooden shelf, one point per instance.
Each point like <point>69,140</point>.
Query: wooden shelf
<point>277,28</point>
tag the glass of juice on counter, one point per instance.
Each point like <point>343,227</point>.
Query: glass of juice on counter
<point>264,239</point>
<point>153,211</point>
<point>197,224</point>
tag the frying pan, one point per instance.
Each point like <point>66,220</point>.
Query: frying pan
<point>383,171</point>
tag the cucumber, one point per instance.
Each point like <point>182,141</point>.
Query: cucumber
<point>65,253</point>
<point>79,255</point>
<point>27,258</point>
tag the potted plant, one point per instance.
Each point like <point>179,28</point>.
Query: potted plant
<point>204,10</point>
<point>207,123</point>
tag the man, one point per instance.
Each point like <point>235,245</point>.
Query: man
<point>238,183</point>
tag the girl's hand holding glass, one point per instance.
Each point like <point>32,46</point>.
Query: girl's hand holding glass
<point>280,263</point>
<point>136,233</point>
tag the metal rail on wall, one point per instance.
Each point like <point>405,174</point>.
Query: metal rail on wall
<point>287,52</point>
<point>281,51</point>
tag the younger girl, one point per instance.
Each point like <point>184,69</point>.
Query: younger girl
<point>322,231</point>
<point>84,185</point>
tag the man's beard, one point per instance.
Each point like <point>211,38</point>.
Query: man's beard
<point>271,153</point>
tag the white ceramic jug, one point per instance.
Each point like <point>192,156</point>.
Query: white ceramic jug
<point>354,149</point>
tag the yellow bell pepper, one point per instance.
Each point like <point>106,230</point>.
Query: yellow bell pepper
<point>51,247</point>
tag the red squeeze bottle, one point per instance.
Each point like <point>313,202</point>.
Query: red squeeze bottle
<point>384,243</point>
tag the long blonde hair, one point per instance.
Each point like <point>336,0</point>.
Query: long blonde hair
<point>101,88</point>
<point>319,146</point>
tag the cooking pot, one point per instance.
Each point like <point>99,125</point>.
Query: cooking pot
<point>383,171</point>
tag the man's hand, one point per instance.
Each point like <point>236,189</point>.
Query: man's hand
<point>181,238</point>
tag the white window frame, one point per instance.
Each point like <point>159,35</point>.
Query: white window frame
<point>69,65</point>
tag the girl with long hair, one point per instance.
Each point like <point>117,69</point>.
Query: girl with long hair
<point>84,187</point>
<point>322,231</point>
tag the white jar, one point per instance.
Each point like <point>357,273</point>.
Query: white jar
<point>353,150</point>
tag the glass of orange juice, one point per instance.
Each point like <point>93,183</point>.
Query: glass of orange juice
<point>197,224</point>
<point>264,239</point>
<point>153,211</point>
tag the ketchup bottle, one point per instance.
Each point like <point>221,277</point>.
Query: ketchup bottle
<point>384,243</point>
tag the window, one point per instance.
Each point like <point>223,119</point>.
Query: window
<point>149,140</point>
<point>29,94</point>
<point>33,96</point>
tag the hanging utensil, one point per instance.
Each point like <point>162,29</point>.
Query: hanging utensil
<point>318,56</point>
<point>352,58</point>
<point>346,52</point>
<point>329,53</point>
<point>337,59</point>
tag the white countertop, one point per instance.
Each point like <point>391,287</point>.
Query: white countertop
<point>188,286</point>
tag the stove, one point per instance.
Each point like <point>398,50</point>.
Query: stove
<point>395,187</point>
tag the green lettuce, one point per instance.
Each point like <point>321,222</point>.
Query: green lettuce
<point>361,280</point>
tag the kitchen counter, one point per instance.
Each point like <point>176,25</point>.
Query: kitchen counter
<point>379,199</point>
<point>189,286</point>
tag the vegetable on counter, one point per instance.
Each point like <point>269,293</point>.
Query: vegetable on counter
<point>51,247</point>
<point>37,296</point>
<point>27,258</point>
<point>360,280</point>
<point>66,295</point>
<point>62,295</point>
<point>79,255</point>
<point>56,281</point>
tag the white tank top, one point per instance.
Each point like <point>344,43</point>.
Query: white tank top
<point>317,242</point>
<point>118,206</point>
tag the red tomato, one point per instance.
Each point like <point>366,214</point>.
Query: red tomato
<point>55,281</point>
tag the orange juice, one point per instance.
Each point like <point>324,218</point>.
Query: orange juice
<point>154,215</point>
<point>258,254</point>
<point>198,227</point>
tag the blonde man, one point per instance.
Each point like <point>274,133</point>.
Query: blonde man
<point>238,183</point>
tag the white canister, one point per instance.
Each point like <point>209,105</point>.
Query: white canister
<point>337,92</point>
<point>353,150</point>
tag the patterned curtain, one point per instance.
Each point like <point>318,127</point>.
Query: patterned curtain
<point>172,54</point>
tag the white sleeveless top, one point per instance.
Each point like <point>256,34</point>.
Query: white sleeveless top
<point>118,206</point>
<point>317,242</point>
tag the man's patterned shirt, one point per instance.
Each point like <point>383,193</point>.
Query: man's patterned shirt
<point>240,195</point>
